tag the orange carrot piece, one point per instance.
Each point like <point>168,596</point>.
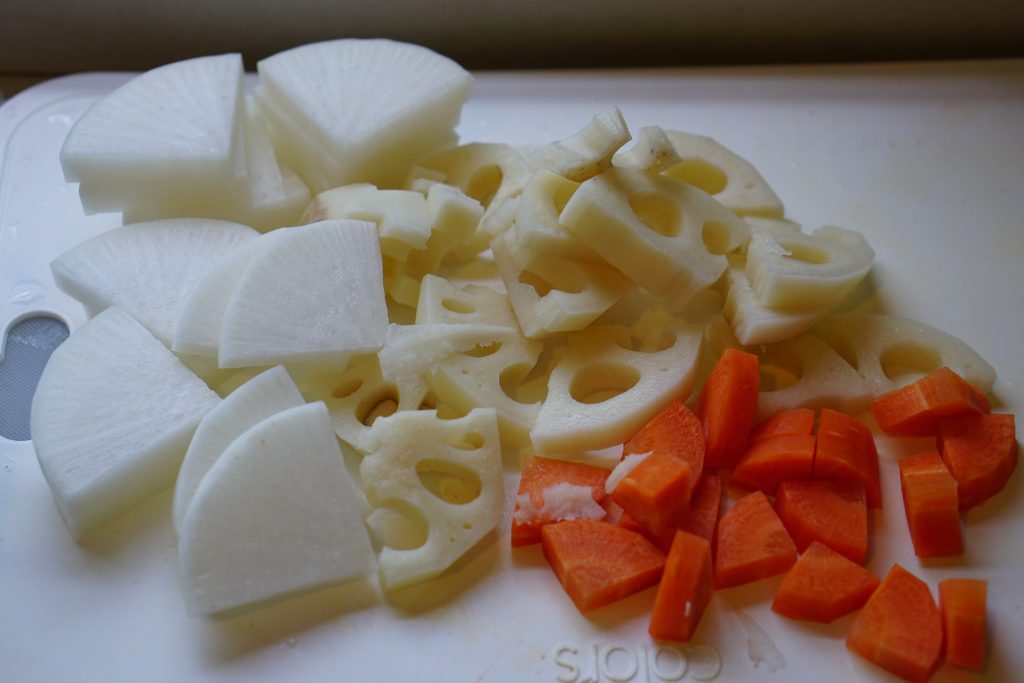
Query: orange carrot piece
<point>918,408</point>
<point>823,586</point>
<point>676,431</point>
<point>981,454</point>
<point>752,543</point>
<point>685,589</point>
<point>795,421</point>
<point>832,512</point>
<point>899,628</point>
<point>538,474</point>
<point>770,461</point>
<point>656,493</point>
<point>962,604</point>
<point>598,563</point>
<point>662,541</point>
<point>846,450</point>
<point>727,406</point>
<point>930,500</point>
<point>702,518</point>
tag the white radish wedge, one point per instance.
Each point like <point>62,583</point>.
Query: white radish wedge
<point>269,393</point>
<point>375,106</point>
<point>111,418</point>
<point>276,514</point>
<point>149,269</point>
<point>174,129</point>
<point>314,294</point>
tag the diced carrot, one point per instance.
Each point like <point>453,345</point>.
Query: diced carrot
<point>702,518</point>
<point>833,512</point>
<point>676,431</point>
<point>685,589</point>
<point>727,406</point>
<point>752,543</point>
<point>538,474</point>
<point>662,541</point>
<point>917,409</point>
<point>899,628</point>
<point>770,461</point>
<point>656,492</point>
<point>823,586</point>
<point>981,454</point>
<point>846,450</point>
<point>795,421</point>
<point>962,604</point>
<point>930,499</point>
<point>598,563</point>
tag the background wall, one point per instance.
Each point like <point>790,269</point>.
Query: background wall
<point>43,37</point>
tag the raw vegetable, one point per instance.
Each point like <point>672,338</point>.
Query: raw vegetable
<point>962,604</point>
<point>598,563</point>
<point>586,153</point>
<point>899,628</point>
<point>685,589</point>
<point>981,454</point>
<point>752,543</point>
<point>727,406</point>
<point>656,493</point>
<point>930,501</point>
<point>768,462</point>
<point>111,417</point>
<point>795,421</point>
<point>704,505</point>
<point>676,431</point>
<point>823,586</point>
<point>540,473</point>
<point>919,408</point>
<point>832,512</point>
<point>846,450</point>
<point>276,513</point>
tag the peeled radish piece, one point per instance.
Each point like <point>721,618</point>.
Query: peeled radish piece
<point>446,474</point>
<point>267,394</point>
<point>148,269</point>
<point>375,106</point>
<point>198,329</point>
<point>111,418</point>
<point>315,293</point>
<point>178,121</point>
<point>276,514</point>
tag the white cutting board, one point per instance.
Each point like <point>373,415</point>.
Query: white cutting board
<point>926,160</point>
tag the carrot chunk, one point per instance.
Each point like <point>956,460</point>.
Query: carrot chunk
<point>833,512</point>
<point>899,628</point>
<point>675,431</point>
<point>598,563</point>
<point>795,421</point>
<point>752,543</point>
<point>727,406</point>
<point>930,499</point>
<point>981,454</point>
<point>918,408</point>
<point>846,450</point>
<point>656,493</point>
<point>770,461</point>
<point>662,541</point>
<point>823,586</point>
<point>685,589</point>
<point>538,474</point>
<point>702,518</point>
<point>962,604</point>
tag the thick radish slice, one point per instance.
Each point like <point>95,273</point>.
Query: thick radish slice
<point>378,106</point>
<point>148,269</point>
<point>276,514</point>
<point>111,418</point>
<point>267,394</point>
<point>444,473</point>
<point>177,122</point>
<point>313,294</point>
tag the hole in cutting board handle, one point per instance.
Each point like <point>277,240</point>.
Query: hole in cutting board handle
<point>28,347</point>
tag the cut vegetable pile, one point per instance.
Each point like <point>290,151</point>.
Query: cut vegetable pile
<point>651,298</point>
